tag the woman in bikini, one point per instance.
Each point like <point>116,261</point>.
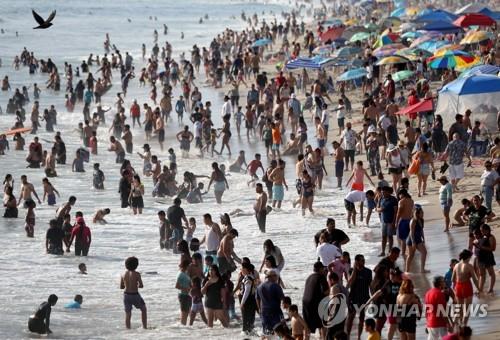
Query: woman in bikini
<point>416,240</point>
<point>307,193</point>
<point>226,134</point>
<point>462,275</point>
<point>486,259</point>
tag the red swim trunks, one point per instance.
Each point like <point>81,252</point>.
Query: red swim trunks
<point>463,290</point>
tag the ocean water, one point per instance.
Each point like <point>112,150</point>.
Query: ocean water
<point>28,275</point>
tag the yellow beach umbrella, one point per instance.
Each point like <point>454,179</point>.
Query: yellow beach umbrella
<point>475,37</point>
<point>394,59</point>
<point>445,48</point>
<point>351,22</point>
<point>412,11</point>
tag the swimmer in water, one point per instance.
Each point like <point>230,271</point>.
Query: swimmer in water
<point>76,303</point>
<point>82,267</point>
<point>99,216</point>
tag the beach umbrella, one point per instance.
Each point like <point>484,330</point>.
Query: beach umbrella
<point>386,39</point>
<point>412,11</point>
<point>474,19</point>
<point>332,33</point>
<point>399,12</point>
<point>414,53</point>
<point>452,59</point>
<point>360,36</point>
<point>332,22</point>
<point>387,50</point>
<point>420,40</point>
<point>347,51</point>
<point>402,75</point>
<point>372,27</point>
<point>391,22</point>
<point>412,35</point>
<point>407,26</point>
<point>436,15</point>
<point>315,63</point>
<point>350,22</point>
<point>432,45</point>
<point>449,47</point>
<point>352,74</point>
<point>475,37</point>
<point>323,50</point>
<point>480,69</point>
<point>442,26</point>
<point>262,42</point>
<point>395,59</point>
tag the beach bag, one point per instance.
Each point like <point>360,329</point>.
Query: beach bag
<point>414,166</point>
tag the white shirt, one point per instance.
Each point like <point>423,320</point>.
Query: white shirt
<point>488,178</point>
<point>325,118</point>
<point>227,108</point>
<point>369,70</point>
<point>340,111</point>
<point>385,122</point>
<point>327,253</point>
<point>349,139</point>
<point>356,196</point>
<point>211,238</point>
<point>197,129</point>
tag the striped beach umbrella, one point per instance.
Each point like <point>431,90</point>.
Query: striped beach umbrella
<point>474,37</point>
<point>452,59</point>
<point>387,50</point>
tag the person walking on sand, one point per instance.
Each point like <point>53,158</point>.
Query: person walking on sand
<point>463,273</point>
<point>131,281</point>
<point>416,240</point>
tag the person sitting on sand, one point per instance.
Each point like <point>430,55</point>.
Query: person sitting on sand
<point>292,146</point>
<point>459,212</point>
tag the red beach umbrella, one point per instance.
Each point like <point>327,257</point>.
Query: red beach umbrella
<point>474,19</point>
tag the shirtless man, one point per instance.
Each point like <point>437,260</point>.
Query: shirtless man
<point>127,138</point>
<point>87,133</point>
<point>155,168</point>
<point>338,156</point>
<point>50,163</point>
<point>372,113</point>
<point>463,272</point>
<point>160,130</point>
<point>131,281</point>
<point>410,136</point>
<point>117,147</point>
<point>26,190</point>
<point>403,217</point>
<point>226,255</point>
<point>99,216</point>
<point>65,210</point>
<point>260,207</point>
<point>320,133</point>
<point>277,176</point>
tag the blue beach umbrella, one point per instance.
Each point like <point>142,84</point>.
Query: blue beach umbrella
<point>398,12</point>
<point>352,74</point>
<point>412,35</point>
<point>347,51</point>
<point>432,45</point>
<point>480,69</point>
<point>261,42</point>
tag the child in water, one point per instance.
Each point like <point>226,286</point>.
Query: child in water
<point>300,331</point>
<point>76,303</point>
<point>131,281</point>
<point>190,230</point>
<point>82,267</point>
<point>197,301</point>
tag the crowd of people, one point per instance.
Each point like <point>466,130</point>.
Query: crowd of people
<point>289,115</point>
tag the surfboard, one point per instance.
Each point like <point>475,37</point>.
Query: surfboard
<point>14,131</point>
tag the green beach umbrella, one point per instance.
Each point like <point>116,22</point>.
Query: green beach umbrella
<point>402,75</point>
<point>372,27</point>
<point>360,36</point>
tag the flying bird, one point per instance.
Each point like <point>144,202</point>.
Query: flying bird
<point>41,22</point>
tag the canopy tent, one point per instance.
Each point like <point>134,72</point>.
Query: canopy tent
<point>478,93</point>
<point>423,106</point>
<point>492,14</point>
<point>314,63</point>
<point>436,15</point>
<point>474,19</point>
<point>442,26</point>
